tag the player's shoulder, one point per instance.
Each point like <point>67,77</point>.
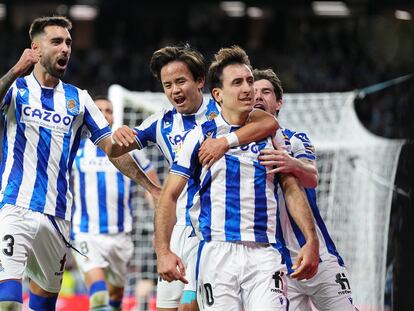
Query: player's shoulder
<point>292,134</point>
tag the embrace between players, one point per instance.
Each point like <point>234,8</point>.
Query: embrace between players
<point>236,226</point>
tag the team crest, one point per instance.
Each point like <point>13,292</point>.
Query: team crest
<point>71,105</point>
<point>212,115</point>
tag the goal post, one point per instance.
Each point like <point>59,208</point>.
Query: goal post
<point>356,180</point>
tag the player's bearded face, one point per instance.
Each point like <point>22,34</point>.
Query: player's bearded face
<point>55,50</point>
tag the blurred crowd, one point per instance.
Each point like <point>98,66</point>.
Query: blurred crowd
<point>310,54</point>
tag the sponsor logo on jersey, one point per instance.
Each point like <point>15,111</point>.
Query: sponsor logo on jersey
<point>52,120</point>
<point>342,280</point>
<point>97,164</point>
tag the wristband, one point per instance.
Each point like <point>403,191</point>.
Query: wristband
<point>232,139</point>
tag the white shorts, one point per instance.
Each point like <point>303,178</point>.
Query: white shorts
<point>111,252</point>
<point>328,290</point>
<point>237,276</point>
<point>185,247</point>
<point>31,243</point>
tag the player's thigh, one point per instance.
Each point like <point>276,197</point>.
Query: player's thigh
<point>17,233</point>
<point>263,280</point>
<point>219,269</point>
<point>47,263</point>
<point>298,297</point>
<point>332,288</point>
<point>93,248</point>
<point>118,258</point>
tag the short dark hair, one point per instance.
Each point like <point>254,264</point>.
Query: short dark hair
<point>39,24</point>
<point>101,97</point>
<point>271,76</point>
<point>184,53</point>
<point>223,58</point>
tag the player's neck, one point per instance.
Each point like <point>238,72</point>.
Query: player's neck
<point>43,77</point>
<point>235,118</point>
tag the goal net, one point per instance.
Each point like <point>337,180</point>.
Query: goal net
<point>356,181</point>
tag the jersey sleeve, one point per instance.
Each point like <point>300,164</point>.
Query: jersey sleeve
<point>147,131</point>
<point>282,141</point>
<point>186,158</point>
<point>302,146</point>
<point>141,159</point>
<point>95,121</point>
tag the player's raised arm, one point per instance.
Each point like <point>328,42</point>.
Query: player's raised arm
<point>259,126</point>
<point>28,58</point>
<point>127,166</point>
<point>169,265</point>
<point>308,259</point>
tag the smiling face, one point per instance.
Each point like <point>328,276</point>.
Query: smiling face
<point>54,45</point>
<point>237,93</point>
<point>180,88</point>
<point>265,97</point>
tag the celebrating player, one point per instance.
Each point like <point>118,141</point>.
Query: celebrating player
<point>329,289</point>
<point>43,118</point>
<point>102,220</point>
<point>235,212</point>
<point>181,71</point>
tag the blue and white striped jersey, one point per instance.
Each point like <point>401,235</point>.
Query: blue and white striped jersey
<point>289,238</point>
<point>168,129</point>
<point>102,193</point>
<point>237,200</point>
<point>41,136</point>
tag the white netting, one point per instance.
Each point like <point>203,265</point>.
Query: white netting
<point>357,171</point>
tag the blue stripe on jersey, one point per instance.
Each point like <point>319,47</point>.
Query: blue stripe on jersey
<point>307,156</point>
<point>166,128</point>
<point>189,122</point>
<point>71,93</point>
<point>96,134</point>
<point>205,213</point>
<point>84,222</point>
<point>199,251</point>
<point>147,135</point>
<point>14,181</point>
<point>280,241</point>
<point>330,245</point>
<point>121,207</point>
<point>103,209</point>
<point>103,212</point>
<point>260,203</point>
<point>38,199</point>
<point>232,223</point>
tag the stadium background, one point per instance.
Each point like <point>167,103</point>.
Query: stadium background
<point>372,43</point>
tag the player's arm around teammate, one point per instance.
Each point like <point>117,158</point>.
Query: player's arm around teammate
<point>259,125</point>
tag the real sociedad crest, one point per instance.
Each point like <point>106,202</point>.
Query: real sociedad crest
<point>212,115</point>
<point>71,106</point>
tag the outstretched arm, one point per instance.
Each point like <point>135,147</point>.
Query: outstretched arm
<point>26,61</point>
<point>127,166</point>
<point>308,259</point>
<point>169,265</point>
<point>259,126</point>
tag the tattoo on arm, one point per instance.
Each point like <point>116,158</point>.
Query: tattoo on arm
<point>5,82</point>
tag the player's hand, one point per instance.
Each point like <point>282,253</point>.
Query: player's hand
<point>28,58</point>
<point>170,267</point>
<point>280,161</point>
<point>307,263</point>
<point>212,150</point>
<point>124,136</point>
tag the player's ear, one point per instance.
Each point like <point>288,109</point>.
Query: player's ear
<point>216,93</point>
<point>200,83</point>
